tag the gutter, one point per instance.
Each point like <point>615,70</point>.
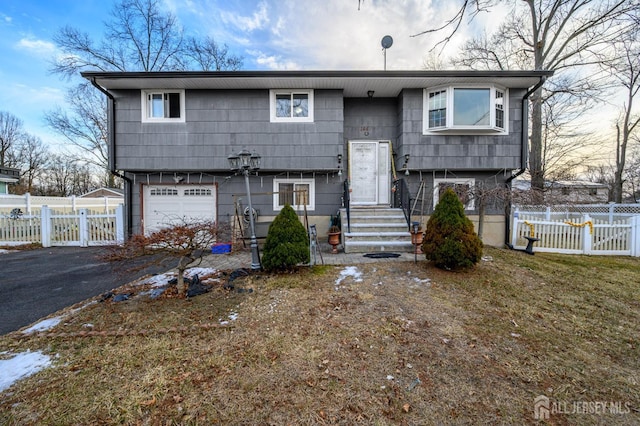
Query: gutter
<point>112,152</point>
<point>524,155</point>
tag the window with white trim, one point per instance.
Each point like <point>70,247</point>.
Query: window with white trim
<point>291,105</point>
<point>295,192</point>
<point>462,187</point>
<point>465,109</point>
<point>162,106</point>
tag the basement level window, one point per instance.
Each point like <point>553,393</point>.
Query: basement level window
<point>162,106</point>
<point>298,193</point>
<point>462,187</point>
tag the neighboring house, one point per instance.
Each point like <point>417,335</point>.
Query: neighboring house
<point>564,192</point>
<point>8,176</point>
<point>104,192</point>
<point>171,133</point>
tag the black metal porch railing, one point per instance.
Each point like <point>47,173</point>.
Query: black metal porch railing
<point>346,200</point>
<point>402,198</point>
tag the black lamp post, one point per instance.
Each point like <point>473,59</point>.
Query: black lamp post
<point>245,162</point>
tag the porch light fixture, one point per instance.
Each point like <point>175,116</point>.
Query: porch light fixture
<point>370,93</point>
<point>246,162</point>
<point>339,164</point>
<point>405,166</point>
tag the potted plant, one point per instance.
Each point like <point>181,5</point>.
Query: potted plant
<point>334,233</point>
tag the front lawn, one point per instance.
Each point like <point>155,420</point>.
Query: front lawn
<point>379,343</point>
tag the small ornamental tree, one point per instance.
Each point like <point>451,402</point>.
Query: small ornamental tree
<point>182,243</point>
<point>287,244</point>
<point>450,241</point>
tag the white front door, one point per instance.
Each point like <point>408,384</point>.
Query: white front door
<point>369,172</point>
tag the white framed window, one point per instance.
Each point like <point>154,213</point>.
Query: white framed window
<point>295,192</point>
<point>288,106</point>
<point>162,106</point>
<point>462,187</point>
<point>465,110</point>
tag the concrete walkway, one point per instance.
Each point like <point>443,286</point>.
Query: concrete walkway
<point>242,258</point>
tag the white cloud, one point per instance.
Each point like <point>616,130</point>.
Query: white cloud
<point>256,21</point>
<point>37,47</point>
<point>273,62</point>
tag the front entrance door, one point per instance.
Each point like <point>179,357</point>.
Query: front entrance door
<point>369,172</point>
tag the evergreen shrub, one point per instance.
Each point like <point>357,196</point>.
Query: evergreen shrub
<point>287,244</point>
<point>449,240</point>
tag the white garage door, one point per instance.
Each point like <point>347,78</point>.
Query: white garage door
<point>169,204</point>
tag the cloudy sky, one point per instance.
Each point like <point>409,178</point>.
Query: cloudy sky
<point>269,34</point>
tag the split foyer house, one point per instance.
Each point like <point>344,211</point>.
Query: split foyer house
<point>328,140</point>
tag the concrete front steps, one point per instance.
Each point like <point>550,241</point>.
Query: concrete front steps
<point>374,230</point>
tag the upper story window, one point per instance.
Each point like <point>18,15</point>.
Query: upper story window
<point>291,105</point>
<point>466,110</point>
<point>298,193</point>
<point>162,106</point>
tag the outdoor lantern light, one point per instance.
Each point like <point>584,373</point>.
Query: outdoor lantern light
<point>246,162</point>
<point>406,164</point>
<point>370,93</point>
<point>339,164</point>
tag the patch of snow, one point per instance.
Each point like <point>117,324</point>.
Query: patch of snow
<point>424,281</point>
<point>349,271</point>
<point>233,316</point>
<point>389,377</point>
<point>43,325</point>
<point>87,325</point>
<point>158,280</point>
<point>200,272</point>
<point>20,366</point>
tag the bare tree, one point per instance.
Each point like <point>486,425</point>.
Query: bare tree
<point>185,242</point>
<point>138,37</point>
<point>34,156</point>
<point>624,69</point>
<point>11,136</point>
<point>84,126</point>
<point>208,55</point>
<point>551,35</point>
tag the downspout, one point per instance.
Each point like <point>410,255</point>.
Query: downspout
<point>112,155</point>
<point>524,155</point>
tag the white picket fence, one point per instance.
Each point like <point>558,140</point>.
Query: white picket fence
<point>578,233</point>
<point>63,228</point>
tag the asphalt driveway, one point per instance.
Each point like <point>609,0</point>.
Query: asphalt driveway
<point>36,283</point>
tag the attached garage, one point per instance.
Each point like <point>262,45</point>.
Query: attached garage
<point>164,205</point>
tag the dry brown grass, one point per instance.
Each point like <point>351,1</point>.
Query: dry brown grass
<point>406,344</point>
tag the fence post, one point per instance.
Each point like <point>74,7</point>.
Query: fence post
<point>83,227</point>
<point>45,226</point>
<point>548,213</point>
<point>27,202</point>
<point>635,236</point>
<point>120,224</point>
<point>514,228</point>
<point>587,238</point>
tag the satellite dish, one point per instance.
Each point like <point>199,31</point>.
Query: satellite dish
<point>387,41</point>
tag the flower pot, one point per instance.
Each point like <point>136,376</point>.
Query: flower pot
<point>334,240</point>
<point>416,240</point>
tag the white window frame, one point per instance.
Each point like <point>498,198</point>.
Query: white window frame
<point>471,182</point>
<point>272,106</point>
<point>145,108</point>
<point>451,128</point>
<point>300,181</point>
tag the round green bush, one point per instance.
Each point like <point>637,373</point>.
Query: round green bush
<point>449,240</point>
<point>287,244</point>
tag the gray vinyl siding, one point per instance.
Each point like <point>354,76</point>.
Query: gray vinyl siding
<point>373,119</point>
<point>458,152</point>
<point>219,123</point>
